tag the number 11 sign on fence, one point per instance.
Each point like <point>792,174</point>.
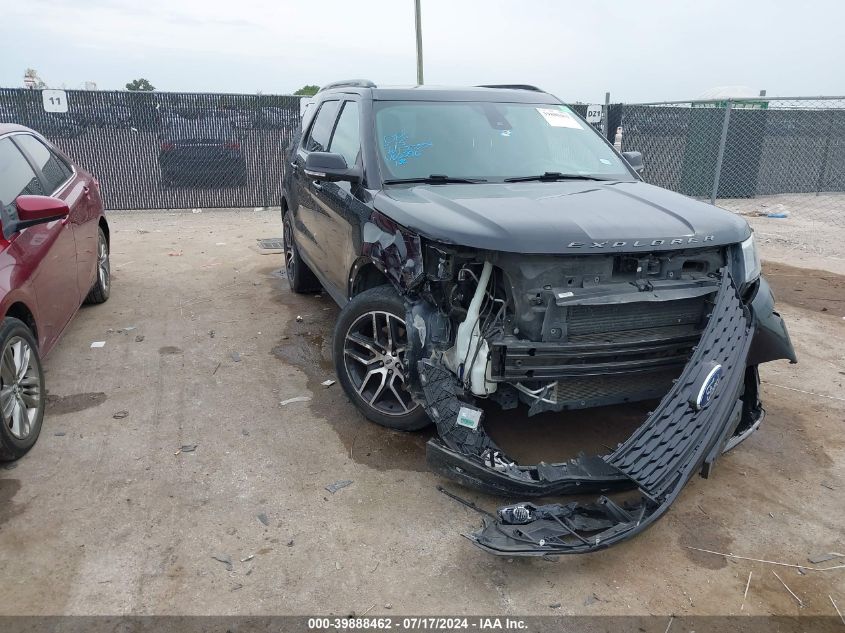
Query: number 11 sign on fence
<point>54,100</point>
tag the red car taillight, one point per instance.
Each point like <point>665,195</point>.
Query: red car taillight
<point>166,146</point>
<point>232,145</point>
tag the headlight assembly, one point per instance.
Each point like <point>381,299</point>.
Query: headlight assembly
<point>750,260</point>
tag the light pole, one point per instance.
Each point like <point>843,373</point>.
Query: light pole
<point>418,21</point>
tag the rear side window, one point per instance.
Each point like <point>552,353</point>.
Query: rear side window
<point>321,131</point>
<point>56,171</point>
<point>16,176</point>
<point>346,139</point>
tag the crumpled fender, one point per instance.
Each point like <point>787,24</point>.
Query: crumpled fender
<point>394,250</point>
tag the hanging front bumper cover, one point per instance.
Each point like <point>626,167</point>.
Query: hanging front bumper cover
<point>688,430</point>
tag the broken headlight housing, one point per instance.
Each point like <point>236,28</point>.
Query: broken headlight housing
<point>750,258</point>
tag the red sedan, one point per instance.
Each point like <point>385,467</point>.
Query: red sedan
<point>54,254</point>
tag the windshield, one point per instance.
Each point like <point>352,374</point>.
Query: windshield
<point>489,141</point>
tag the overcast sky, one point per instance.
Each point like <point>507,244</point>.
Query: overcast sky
<point>638,50</point>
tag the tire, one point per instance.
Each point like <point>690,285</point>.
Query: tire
<point>101,289</point>
<point>22,397</point>
<point>300,277</point>
<point>370,367</point>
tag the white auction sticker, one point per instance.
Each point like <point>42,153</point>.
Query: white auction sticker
<point>469,417</point>
<point>54,100</point>
<point>559,117</point>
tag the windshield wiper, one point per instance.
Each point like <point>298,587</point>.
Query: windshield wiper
<point>550,176</point>
<point>434,179</point>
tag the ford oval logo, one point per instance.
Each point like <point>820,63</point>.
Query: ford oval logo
<point>708,387</point>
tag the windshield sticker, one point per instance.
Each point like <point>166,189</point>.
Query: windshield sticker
<point>559,118</point>
<point>397,149</point>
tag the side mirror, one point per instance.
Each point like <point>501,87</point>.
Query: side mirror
<point>329,167</point>
<point>635,160</point>
<point>34,210</point>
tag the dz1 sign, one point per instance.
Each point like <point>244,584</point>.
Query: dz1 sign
<point>54,100</point>
<point>594,113</point>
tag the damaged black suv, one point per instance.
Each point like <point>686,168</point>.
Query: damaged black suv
<point>487,243</point>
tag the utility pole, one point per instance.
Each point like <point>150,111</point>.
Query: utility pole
<point>419,42</point>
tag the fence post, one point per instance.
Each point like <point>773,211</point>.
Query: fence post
<point>820,181</point>
<point>263,149</point>
<point>604,122</point>
<point>722,141</point>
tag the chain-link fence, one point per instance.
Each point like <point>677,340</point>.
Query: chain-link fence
<point>779,162</point>
<point>765,157</point>
<point>160,150</point>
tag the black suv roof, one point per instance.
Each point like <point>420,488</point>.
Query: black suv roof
<point>509,94</point>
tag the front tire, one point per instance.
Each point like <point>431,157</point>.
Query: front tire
<point>369,346</point>
<point>21,390</point>
<point>101,289</point>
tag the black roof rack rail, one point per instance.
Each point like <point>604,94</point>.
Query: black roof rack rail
<point>512,87</point>
<point>349,83</point>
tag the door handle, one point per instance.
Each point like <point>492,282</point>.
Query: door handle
<point>317,185</point>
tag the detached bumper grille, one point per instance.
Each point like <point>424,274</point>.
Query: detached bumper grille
<point>680,437</point>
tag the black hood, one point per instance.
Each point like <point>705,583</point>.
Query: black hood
<point>560,217</point>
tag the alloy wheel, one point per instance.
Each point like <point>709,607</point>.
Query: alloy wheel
<point>290,256</point>
<point>20,387</point>
<point>103,266</point>
<point>373,355</point>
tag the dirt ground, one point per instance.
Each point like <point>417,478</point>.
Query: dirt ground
<point>813,236</point>
<point>107,515</point>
